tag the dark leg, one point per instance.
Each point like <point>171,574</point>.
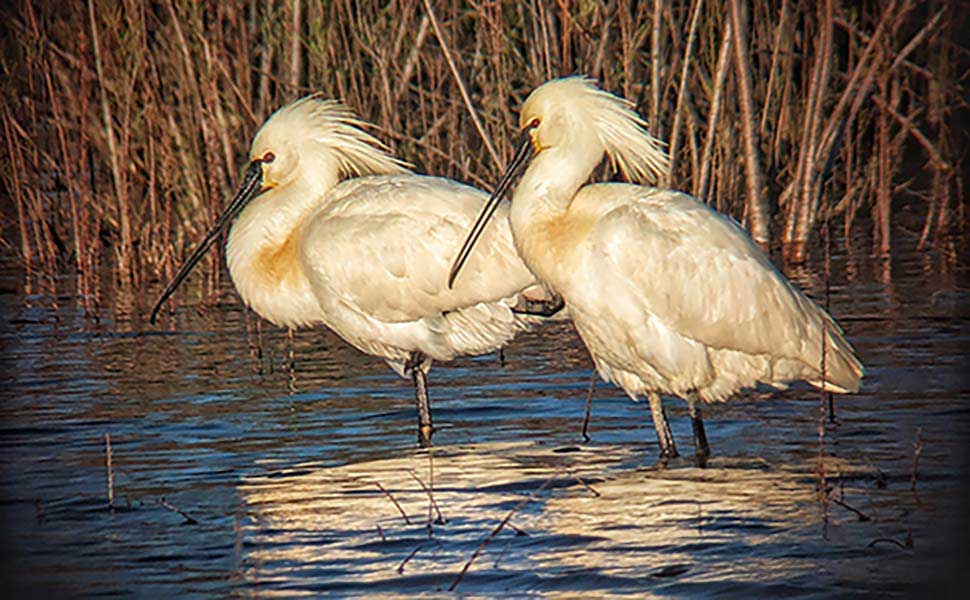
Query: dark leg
<point>589,405</point>
<point>539,308</point>
<point>425,428</point>
<point>666,439</point>
<point>701,450</point>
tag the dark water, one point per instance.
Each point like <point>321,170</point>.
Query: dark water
<point>278,487</point>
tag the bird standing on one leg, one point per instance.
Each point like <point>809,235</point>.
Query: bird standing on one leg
<point>330,229</point>
<point>669,296</point>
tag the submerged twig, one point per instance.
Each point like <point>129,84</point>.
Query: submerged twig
<point>862,516</point>
<point>431,488</point>
<point>508,543</point>
<point>188,519</point>
<point>517,530</point>
<point>826,233</point>
<point>586,485</point>
<point>917,452</point>
<point>393,500</point>
<point>291,360</point>
<point>111,471</point>
<point>893,541</point>
<point>427,490</point>
<point>500,526</point>
<point>39,513</point>
<point>400,567</point>
<point>254,353</point>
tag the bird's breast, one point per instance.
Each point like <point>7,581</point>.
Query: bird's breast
<point>271,280</point>
<point>551,246</point>
<point>278,266</point>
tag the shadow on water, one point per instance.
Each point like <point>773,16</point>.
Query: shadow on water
<point>230,477</point>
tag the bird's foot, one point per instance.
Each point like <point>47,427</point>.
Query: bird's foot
<point>539,308</point>
<point>424,436</point>
<point>666,455</point>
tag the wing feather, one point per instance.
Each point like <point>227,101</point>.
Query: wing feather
<point>700,274</point>
<point>385,244</point>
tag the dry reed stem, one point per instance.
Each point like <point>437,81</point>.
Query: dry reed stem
<point>809,186</point>
<point>655,69</point>
<point>721,73</point>
<point>486,139</point>
<point>124,224</point>
<point>756,205</point>
<point>695,12</point>
<point>775,60</point>
<point>124,124</point>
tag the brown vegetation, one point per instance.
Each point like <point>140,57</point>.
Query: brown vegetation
<point>125,123</point>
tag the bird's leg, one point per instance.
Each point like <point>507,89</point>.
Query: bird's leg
<point>702,451</point>
<point>420,379</point>
<point>589,406</point>
<point>539,308</point>
<point>668,449</point>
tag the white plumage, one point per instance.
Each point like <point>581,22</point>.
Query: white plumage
<point>332,230</point>
<point>669,296</point>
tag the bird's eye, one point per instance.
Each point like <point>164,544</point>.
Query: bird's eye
<point>268,158</point>
<point>534,123</point>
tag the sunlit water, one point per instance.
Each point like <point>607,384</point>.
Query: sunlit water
<point>234,476</point>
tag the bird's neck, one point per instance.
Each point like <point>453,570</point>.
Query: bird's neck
<point>540,217</point>
<point>263,251</point>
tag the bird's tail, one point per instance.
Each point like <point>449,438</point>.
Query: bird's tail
<point>839,369</point>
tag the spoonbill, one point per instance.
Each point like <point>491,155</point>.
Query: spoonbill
<point>669,296</point>
<point>330,229</point>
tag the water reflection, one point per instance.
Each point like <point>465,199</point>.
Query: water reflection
<point>605,523</point>
<point>280,479</point>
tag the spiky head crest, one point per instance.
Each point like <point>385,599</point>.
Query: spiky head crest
<point>313,126</point>
<point>580,104</point>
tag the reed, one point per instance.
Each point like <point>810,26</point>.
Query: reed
<point>125,124</point>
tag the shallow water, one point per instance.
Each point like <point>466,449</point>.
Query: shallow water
<point>233,475</point>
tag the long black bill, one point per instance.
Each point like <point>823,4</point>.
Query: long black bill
<point>249,189</point>
<point>523,153</point>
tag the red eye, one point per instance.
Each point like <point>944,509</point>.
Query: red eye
<point>268,158</point>
<point>534,123</point>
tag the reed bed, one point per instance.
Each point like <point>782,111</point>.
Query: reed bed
<point>125,124</point>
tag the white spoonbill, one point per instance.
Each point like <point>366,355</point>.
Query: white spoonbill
<point>669,296</point>
<point>332,230</point>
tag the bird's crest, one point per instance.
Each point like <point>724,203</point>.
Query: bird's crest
<point>335,128</point>
<point>635,153</point>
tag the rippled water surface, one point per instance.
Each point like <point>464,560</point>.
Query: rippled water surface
<point>235,475</point>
